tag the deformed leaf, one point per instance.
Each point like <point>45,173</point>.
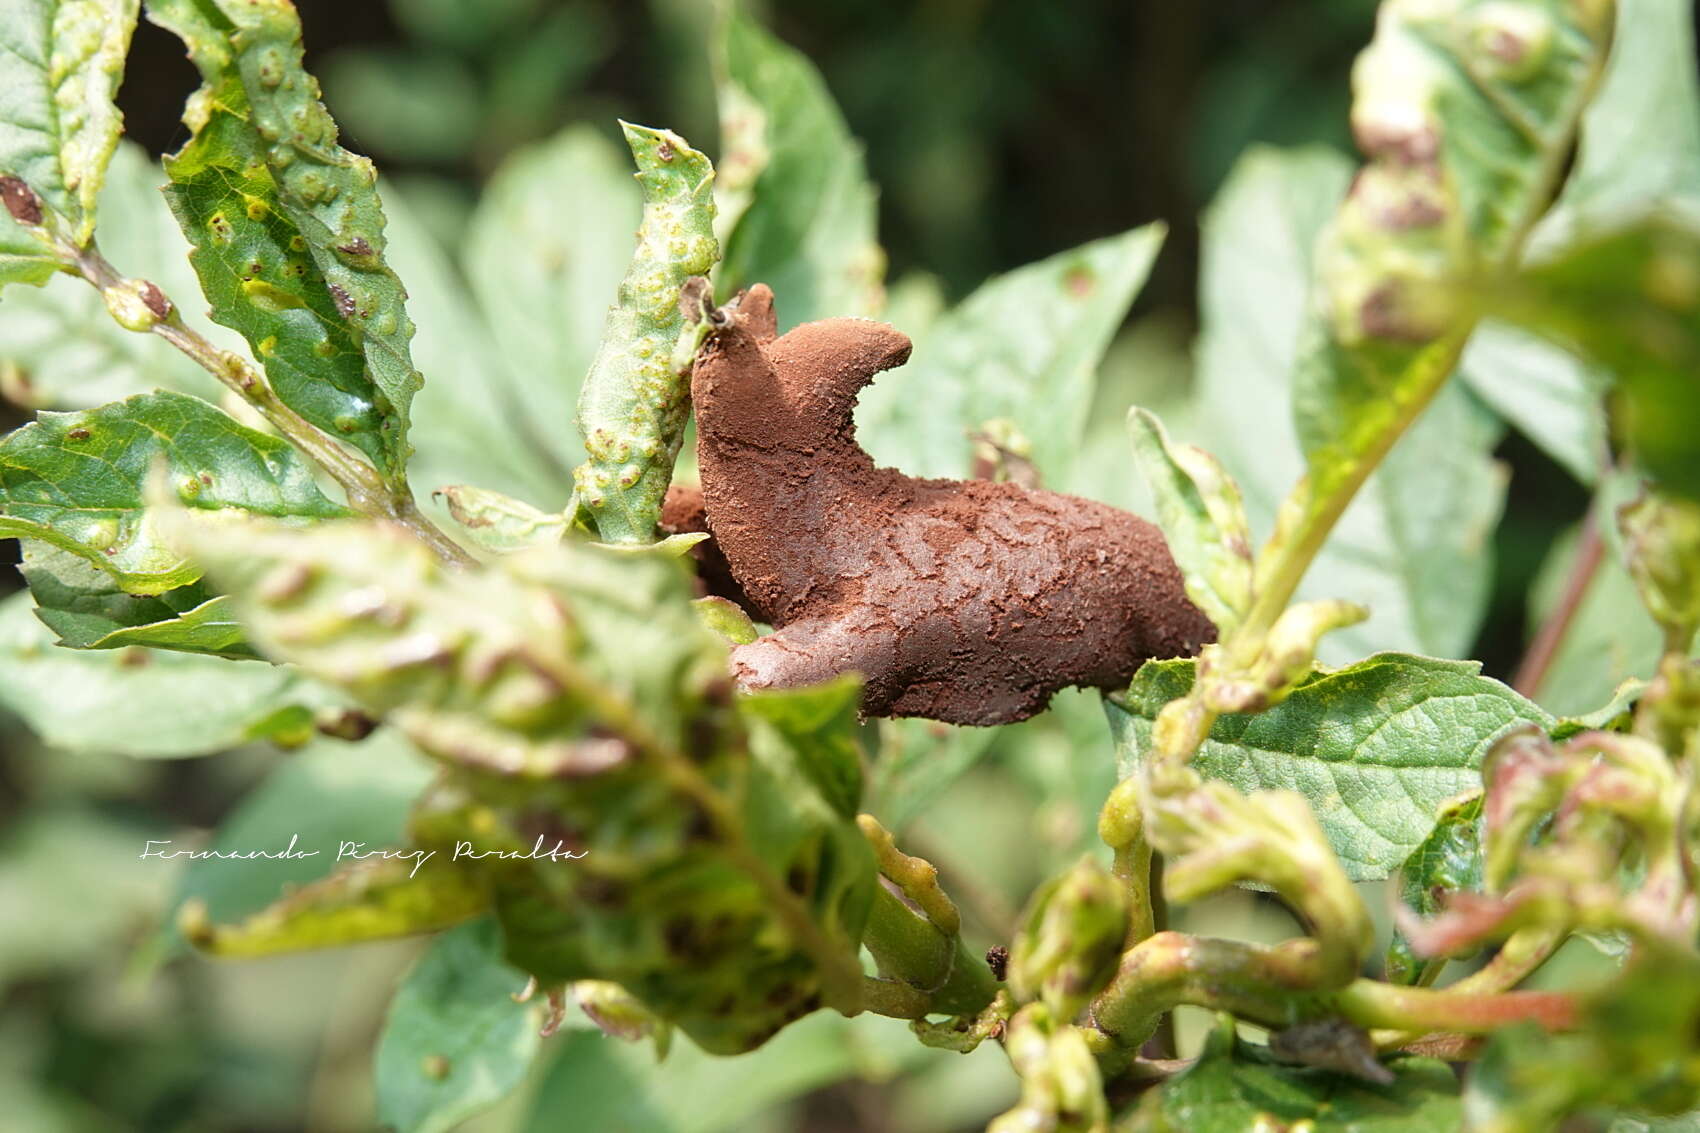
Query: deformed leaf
<point>1375,747</point>
<point>1465,115</point>
<point>379,899</point>
<point>1449,860</point>
<point>455,1041</point>
<point>1199,509</point>
<point>60,65</point>
<point>80,480</point>
<point>1025,347</point>
<point>266,122</point>
<point>1235,1086</point>
<point>256,273</point>
<point>635,401</point>
<point>501,523</point>
<point>143,703</point>
<point>806,217</point>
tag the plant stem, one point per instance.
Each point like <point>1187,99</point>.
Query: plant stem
<point>1590,553</point>
<point>367,492</point>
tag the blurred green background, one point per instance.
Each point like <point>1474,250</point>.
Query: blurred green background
<point>998,133</point>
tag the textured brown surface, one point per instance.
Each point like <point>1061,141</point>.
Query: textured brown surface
<point>965,601</point>
<point>682,513</point>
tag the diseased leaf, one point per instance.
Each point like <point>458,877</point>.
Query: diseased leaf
<point>62,345</point>
<point>454,1042</point>
<point>325,795</point>
<point>267,124</point>
<point>545,285</point>
<point>170,705</point>
<point>79,481</point>
<point>1414,545</point>
<point>60,65</point>
<point>1448,861</point>
<point>1375,747</point>
<point>1235,1087</point>
<point>1024,347</point>
<point>1198,506</point>
<point>636,399</point>
<point>257,275</point>
<point>805,213</point>
<point>88,610</point>
<point>1466,115</point>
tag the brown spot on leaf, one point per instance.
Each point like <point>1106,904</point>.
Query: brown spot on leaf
<point>20,200</point>
<point>343,300</point>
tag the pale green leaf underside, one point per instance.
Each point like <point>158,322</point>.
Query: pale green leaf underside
<point>80,481</point>
<point>810,228</point>
<point>87,609</point>
<point>1025,347</point>
<point>148,704</point>
<point>1375,747</point>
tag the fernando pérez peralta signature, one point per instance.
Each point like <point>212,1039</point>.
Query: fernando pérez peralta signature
<point>357,851</point>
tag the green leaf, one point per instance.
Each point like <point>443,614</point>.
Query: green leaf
<point>1235,1087</point>
<point>79,481</point>
<point>1448,861</point>
<point>257,122</point>
<point>1414,545</point>
<point>801,214</point>
<point>501,523</point>
<point>1467,115</point>
<point>325,795</point>
<point>1375,747</point>
<point>815,727</point>
<point>143,703</point>
<point>60,65</point>
<point>623,1088</point>
<point>1629,301</point>
<point>544,286</point>
<point>66,350</point>
<point>454,1042</point>
<point>636,399</point>
<point>1024,347</point>
<point>1546,393</point>
<point>1199,508</point>
<point>88,611</point>
<point>466,430</point>
<point>1640,137</point>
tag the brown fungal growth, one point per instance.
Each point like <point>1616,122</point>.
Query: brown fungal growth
<point>965,601</point>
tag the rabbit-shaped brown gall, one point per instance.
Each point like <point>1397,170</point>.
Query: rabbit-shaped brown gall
<point>965,601</point>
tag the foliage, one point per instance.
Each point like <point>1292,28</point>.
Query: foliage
<point>523,740</point>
